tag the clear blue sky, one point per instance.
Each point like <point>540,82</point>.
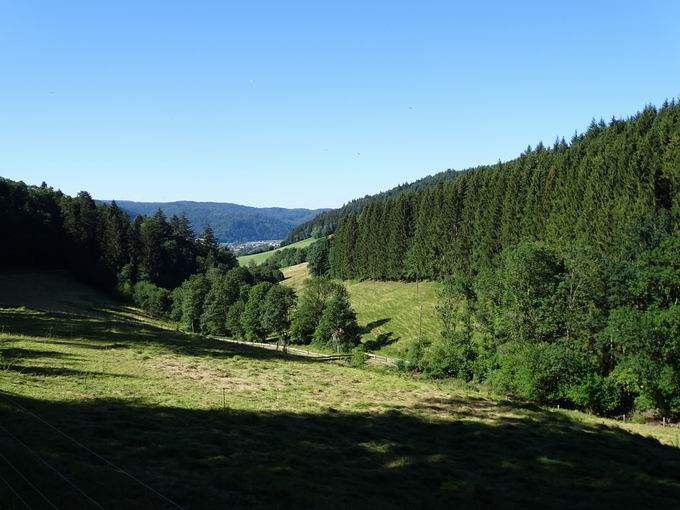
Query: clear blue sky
<point>308,104</point>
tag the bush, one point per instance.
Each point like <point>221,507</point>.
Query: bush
<point>359,357</point>
<point>413,358</point>
<point>535,371</point>
<point>449,357</point>
<point>152,299</point>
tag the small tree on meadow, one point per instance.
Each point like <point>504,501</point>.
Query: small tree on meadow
<point>318,291</point>
<point>338,326</point>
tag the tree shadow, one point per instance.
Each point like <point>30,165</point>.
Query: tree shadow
<point>44,371</point>
<point>382,340</point>
<point>238,459</point>
<point>368,328</point>
<point>113,332</point>
<point>21,354</point>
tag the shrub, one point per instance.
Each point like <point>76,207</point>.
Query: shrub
<point>152,299</point>
<point>359,357</point>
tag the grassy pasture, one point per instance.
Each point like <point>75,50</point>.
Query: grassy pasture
<point>215,425</point>
<point>259,258</point>
<point>388,312</point>
<point>295,276</point>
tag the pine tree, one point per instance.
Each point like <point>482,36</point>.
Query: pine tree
<point>338,325</point>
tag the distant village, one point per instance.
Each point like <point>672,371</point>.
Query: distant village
<point>252,247</point>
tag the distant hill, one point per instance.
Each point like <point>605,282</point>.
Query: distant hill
<point>231,222</point>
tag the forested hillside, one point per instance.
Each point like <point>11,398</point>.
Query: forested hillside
<point>100,242</point>
<point>562,266</point>
<point>230,222</point>
<point>614,188</point>
<point>325,223</point>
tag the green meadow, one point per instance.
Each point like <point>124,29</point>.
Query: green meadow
<point>389,313</point>
<point>259,258</point>
<point>86,381</point>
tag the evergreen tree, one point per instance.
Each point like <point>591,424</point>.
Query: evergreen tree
<point>317,257</point>
<point>338,325</point>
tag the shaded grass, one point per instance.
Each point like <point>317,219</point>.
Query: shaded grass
<point>243,459</point>
<point>259,258</point>
<point>53,290</point>
<point>215,425</point>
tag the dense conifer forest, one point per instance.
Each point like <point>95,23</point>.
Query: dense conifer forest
<point>100,242</point>
<point>562,267</point>
<point>326,222</point>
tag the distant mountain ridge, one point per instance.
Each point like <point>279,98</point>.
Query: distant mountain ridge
<point>231,222</point>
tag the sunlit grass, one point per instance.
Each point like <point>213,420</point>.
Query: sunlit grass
<point>259,258</point>
<point>388,312</point>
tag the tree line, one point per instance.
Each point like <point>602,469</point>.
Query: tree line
<point>239,304</point>
<point>562,266</point>
<point>169,271</point>
<point>100,242</point>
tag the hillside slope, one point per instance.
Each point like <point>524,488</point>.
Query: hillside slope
<point>388,313</point>
<point>206,424</point>
<point>259,258</point>
<point>231,222</point>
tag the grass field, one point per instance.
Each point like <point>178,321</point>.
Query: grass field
<point>388,312</point>
<point>259,258</point>
<point>295,276</point>
<point>214,425</point>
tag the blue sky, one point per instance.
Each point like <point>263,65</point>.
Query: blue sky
<point>310,104</point>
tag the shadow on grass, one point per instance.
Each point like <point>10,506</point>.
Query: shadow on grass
<point>42,371</point>
<point>114,332</point>
<point>373,325</point>
<point>229,459</point>
<point>382,340</point>
<point>21,354</point>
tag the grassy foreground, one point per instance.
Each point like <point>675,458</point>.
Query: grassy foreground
<point>259,258</point>
<point>388,312</point>
<point>214,425</point>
